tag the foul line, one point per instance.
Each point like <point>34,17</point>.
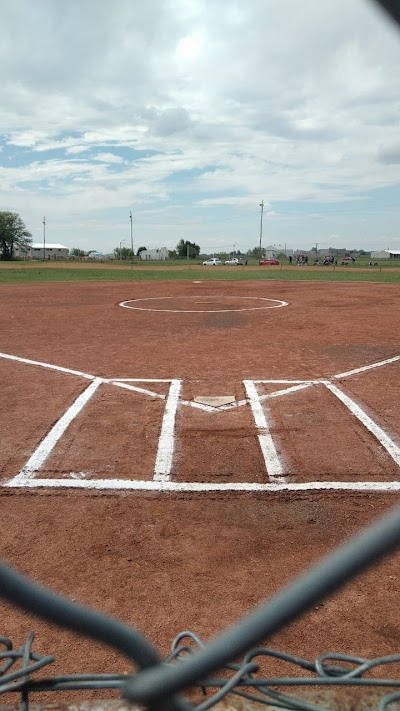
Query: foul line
<point>367,367</point>
<point>48,365</point>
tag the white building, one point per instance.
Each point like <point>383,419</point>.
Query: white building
<point>36,250</point>
<point>273,250</point>
<point>148,254</point>
<point>386,254</point>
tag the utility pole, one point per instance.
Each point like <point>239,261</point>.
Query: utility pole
<point>261,223</point>
<point>44,239</point>
<point>130,217</point>
<point>316,250</point>
<point>187,250</point>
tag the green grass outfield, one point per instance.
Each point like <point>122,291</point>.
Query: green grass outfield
<point>18,272</point>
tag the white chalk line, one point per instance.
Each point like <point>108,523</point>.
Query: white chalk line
<point>134,388</point>
<point>212,408</point>
<point>59,368</point>
<point>286,382</point>
<point>50,440</point>
<point>199,487</point>
<point>367,367</point>
<point>382,437</point>
<point>285,391</point>
<point>278,303</point>
<point>166,442</point>
<point>188,403</point>
<point>137,380</point>
<point>268,449</point>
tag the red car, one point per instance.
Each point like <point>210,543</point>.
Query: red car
<point>266,262</point>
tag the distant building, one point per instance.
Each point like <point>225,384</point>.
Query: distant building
<point>36,250</point>
<point>386,254</point>
<point>149,254</point>
<point>273,250</point>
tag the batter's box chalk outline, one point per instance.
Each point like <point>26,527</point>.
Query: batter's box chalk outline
<point>161,482</point>
<point>165,450</point>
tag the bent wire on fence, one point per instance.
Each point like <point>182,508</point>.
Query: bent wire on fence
<point>328,670</point>
<point>157,683</point>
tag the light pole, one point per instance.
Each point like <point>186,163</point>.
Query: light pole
<point>120,248</point>
<point>130,217</point>
<point>261,223</point>
<point>44,239</point>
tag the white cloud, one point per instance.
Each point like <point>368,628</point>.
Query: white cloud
<point>76,149</point>
<point>210,105</point>
<point>108,158</point>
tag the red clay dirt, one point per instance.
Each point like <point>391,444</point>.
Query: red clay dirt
<point>167,562</point>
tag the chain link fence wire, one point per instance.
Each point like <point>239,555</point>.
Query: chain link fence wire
<point>159,682</point>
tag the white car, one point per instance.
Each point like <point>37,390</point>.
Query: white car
<point>236,261</point>
<point>214,262</point>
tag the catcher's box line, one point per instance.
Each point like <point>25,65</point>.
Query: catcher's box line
<point>200,487</point>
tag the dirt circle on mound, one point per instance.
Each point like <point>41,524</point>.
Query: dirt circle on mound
<point>202,304</point>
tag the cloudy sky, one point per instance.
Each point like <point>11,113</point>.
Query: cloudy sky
<point>190,112</point>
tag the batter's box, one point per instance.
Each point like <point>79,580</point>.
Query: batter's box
<point>117,434</point>
<point>311,431</point>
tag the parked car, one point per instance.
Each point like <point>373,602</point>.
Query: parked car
<point>214,262</point>
<point>266,262</point>
<point>236,261</point>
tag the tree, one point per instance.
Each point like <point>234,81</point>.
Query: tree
<point>256,252</point>
<point>123,253</point>
<point>141,249</point>
<point>182,249</point>
<point>13,232</point>
<point>76,252</point>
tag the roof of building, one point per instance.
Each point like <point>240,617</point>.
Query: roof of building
<point>49,245</point>
<point>392,251</point>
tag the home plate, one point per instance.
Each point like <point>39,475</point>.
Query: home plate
<point>215,401</point>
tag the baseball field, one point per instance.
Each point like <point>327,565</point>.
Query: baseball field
<point>174,452</point>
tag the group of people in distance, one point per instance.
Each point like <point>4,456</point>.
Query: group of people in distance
<point>301,260</point>
<point>327,262</point>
